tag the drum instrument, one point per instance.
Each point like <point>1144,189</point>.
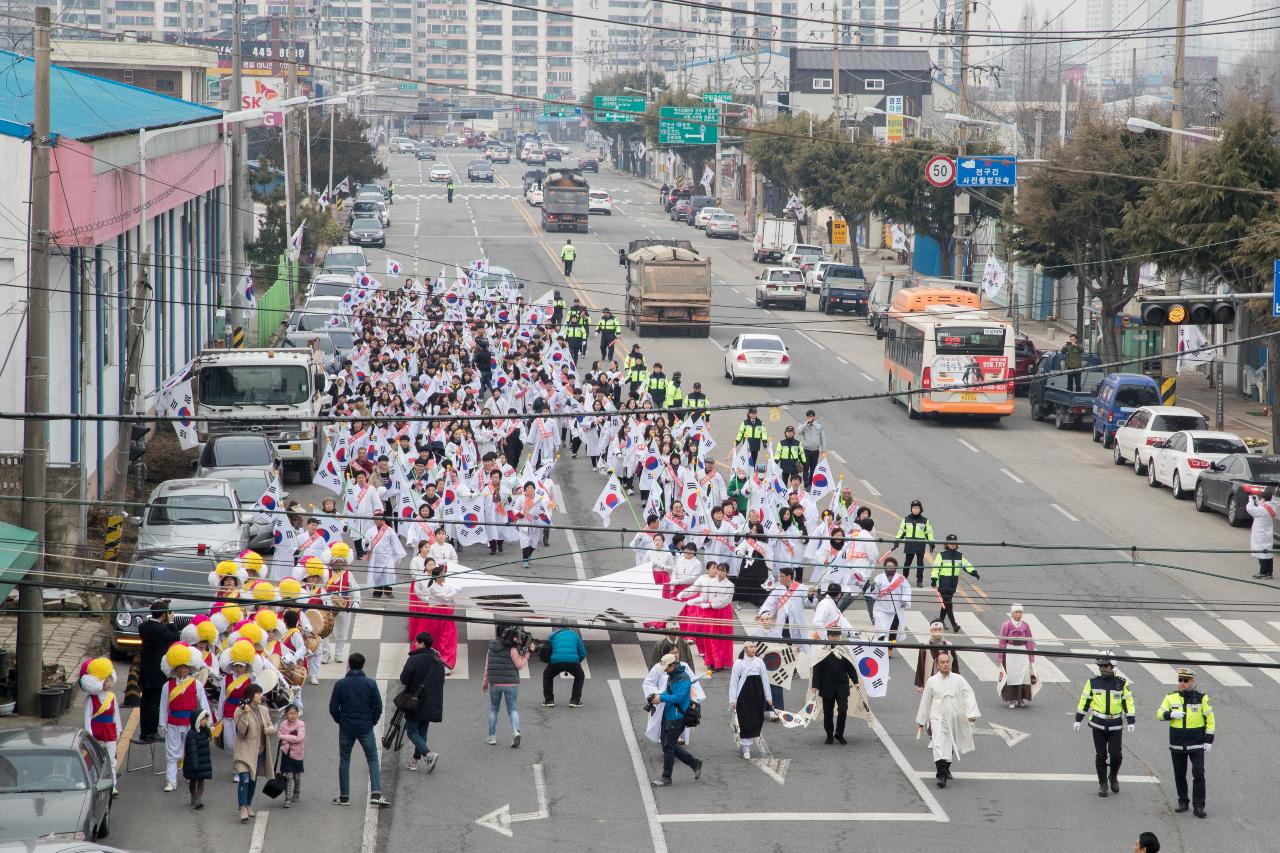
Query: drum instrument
<point>321,622</point>
<point>312,643</point>
<point>295,673</point>
<point>275,692</point>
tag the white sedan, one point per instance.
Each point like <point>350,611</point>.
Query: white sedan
<point>599,201</point>
<point>757,356</point>
<point>1179,459</point>
<point>440,174</point>
<point>533,195</point>
<point>1136,438</point>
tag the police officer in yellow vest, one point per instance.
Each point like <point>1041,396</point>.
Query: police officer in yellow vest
<point>752,431</point>
<point>576,330</point>
<point>634,370</point>
<point>568,254</point>
<point>1107,699</point>
<point>557,309</point>
<point>698,400</point>
<point>656,384</point>
<point>1191,728</point>
<point>608,329</point>
<point>789,454</point>
<point>674,398</point>
<point>945,577</point>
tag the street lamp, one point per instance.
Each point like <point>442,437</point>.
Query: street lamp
<point>1142,125</point>
<point>793,107</point>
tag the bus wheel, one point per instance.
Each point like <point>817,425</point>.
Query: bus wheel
<point>912,413</point>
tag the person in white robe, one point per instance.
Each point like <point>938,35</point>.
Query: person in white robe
<point>748,700</point>
<point>441,551</point>
<point>384,551</point>
<point>363,499</point>
<point>948,710</point>
<point>532,513</point>
<point>892,599</point>
<point>656,683</point>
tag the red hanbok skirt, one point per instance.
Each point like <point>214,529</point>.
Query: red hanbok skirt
<point>438,622</point>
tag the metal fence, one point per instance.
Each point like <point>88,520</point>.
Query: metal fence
<point>273,309</point>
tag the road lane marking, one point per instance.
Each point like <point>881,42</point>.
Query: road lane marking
<point>368,626</point>
<point>637,764</point>
<point>1038,777</point>
<point>866,376</point>
<point>968,445</point>
<point>1256,639</point>
<point>1144,634</point>
<point>841,360</point>
<point>629,658</point>
<point>836,455</point>
<point>870,488</point>
<point>259,838</point>
<point>811,340</point>
<point>577,555</point>
<point>369,835</point>
<point>1011,475</point>
<point>1064,512</point>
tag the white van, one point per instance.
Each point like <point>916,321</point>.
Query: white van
<point>882,293</point>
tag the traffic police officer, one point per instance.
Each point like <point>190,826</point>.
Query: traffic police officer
<point>752,431</point>
<point>608,329</point>
<point>698,400</point>
<point>557,310</point>
<point>656,384</point>
<point>1107,699</point>
<point>789,454</point>
<point>1191,727</point>
<point>914,533</point>
<point>634,369</point>
<point>945,577</point>
<point>568,254</point>
<point>576,330</point>
<point>675,396</point>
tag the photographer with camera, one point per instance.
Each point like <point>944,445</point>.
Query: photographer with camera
<point>508,654</point>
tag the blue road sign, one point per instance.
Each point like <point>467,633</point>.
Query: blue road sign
<point>987,170</point>
<point>1275,289</point>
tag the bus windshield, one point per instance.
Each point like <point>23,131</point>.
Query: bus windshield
<point>969,340</point>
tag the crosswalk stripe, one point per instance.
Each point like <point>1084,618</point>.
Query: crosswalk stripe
<point>977,662</point>
<point>1046,670</point>
<point>1255,638</point>
<point>367,626</point>
<point>1091,632</point>
<point>1043,636</point>
<point>630,660</point>
<point>391,657</point>
<point>1145,635</point>
<point>1225,676</point>
<point>462,666</point>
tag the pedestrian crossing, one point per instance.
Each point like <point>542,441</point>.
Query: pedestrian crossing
<point>622,655</point>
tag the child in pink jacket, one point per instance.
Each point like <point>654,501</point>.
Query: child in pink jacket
<point>292,734</point>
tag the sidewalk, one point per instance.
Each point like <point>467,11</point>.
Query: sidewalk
<point>1242,415</point>
<point>68,641</point>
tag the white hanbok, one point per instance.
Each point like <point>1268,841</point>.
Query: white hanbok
<point>946,706</point>
<point>384,552</point>
<point>893,598</point>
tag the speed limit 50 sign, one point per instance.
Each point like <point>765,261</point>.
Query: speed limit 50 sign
<point>940,171</point>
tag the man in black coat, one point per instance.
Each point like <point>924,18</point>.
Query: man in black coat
<point>832,676</point>
<point>423,679</point>
<point>157,634</point>
<point>356,706</point>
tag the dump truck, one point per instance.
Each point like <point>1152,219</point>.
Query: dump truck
<point>668,289</point>
<point>565,201</point>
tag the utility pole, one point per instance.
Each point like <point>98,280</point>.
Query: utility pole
<point>835,64</point>
<point>1133,82</point>
<point>289,146</point>
<point>961,209</point>
<point>1038,146</point>
<point>1173,285</point>
<point>236,231</point>
<point>35,432</point>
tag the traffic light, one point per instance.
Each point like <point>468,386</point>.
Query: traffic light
<point>1195,312</point>
<point>137,441</point>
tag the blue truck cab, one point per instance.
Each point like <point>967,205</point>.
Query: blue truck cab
<point>1118,396</point>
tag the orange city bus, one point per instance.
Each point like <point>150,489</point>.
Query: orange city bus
<point>940,342</point>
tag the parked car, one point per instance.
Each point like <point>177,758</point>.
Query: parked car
<point>367,231</point>
<point>1025,357</point>
<point>780,285</point>
<point>552,153</point>
<point>250,484</point>
<point>813,275</point>
<point>346,257</point>
<point>55,783</point>
<point>194,515</point>
<point>680,210</point>
<point>333,342</point>
<point>1226,484</point>
<point>1050,393</point>
<point>314,314</point>
<point>533,196</point>
<point>1136,438</point>
<point>1179,459</point>
<point>842,287</point>
<point>480,170</point>
<point>589,164</point>
<point>329,284</point>
<point>426,153</point>
<point>370,207</point>
<point>599,201</point>
<point>234,450</point>
<point>696,204</point>
<point>1119,396</point>
<point>375,188</point>
<point>402,144</point>
<point>802,255</point>
<point>153,575</point>
<point>674,195</point>
<point>704,214</point>
<point>723,225</point>
<point>439,174</point>
<point>757,356</point>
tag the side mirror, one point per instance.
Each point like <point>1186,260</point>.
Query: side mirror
<point>135,520</point>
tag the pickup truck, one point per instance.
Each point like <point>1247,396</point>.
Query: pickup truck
<point>1050,397</point>
<point>843,288</point>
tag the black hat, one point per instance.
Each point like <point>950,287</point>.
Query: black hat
<point>951,537</point>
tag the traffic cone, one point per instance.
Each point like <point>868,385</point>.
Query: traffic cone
<point>132,688</point>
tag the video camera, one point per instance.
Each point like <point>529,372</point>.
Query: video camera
<point>516,637</point>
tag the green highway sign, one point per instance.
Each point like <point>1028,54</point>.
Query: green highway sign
<point>717,97</point>
<point>614,117</point>
<point>552,111</point>
<point>674,132</point>
<point>625,103</point>
<point>408,87</point>
<point>703,114</point>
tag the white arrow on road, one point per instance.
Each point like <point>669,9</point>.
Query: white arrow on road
<point>774,768</point>
<point>1011,737</point>
<point>500,819</point>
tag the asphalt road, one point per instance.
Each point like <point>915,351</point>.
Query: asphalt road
<point>579,779</point>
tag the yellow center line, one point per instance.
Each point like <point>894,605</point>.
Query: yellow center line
<point>555,259</point>
<point>126,737</point>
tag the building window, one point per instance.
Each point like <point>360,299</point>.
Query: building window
<point>874,85</point>
<point>822,84</point>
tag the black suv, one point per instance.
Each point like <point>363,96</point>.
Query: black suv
<point>480,170</point>
<point>589,164</point>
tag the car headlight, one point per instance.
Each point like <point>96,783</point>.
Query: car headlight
<point>227,549</point>
<point>124,620</point>
<point>65,836</point>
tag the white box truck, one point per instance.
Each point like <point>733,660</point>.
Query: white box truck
<point>773,236</point>
<point>274,392</point>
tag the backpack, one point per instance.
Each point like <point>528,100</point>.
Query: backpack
<point>692,714</point>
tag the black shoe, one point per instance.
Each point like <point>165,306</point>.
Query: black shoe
<point>840,740</point>
<point>377,593</point>
<point>1102,789</point>
<point>829,740</point>
<point>1115,786</point>
<point>955,629</point>
<point>1261,576</point>
<point>661,782</point>
<point>697,771</point>
<point>1200,812</point>
<point>942,781</point>
<point>1182,807</point>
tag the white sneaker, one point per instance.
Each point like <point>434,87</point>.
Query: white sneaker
<point>413,764</point>
<point>746,752</point>
<point>491,740</point>
<point>169,786</point>
<point>315,679</point>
